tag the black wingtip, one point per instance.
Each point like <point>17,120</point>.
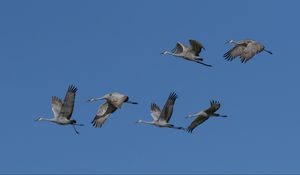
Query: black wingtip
<point>189,130</point>
<point>214,102</point>
<point>173,95</point>
<point>72,88</point>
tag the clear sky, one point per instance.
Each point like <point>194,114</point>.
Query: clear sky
<point>107,46</point>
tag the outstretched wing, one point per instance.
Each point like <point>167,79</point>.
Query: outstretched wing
<point>200,119</point>
<point>251,49</point>
<point>68,104</point>
<point>214,106</point>
<point>234,52</point>
<point>178,48</point>
<point>196,46</point>
<point>56,106</point>
<point>168,108</point>
<point>155,111</point>
<point>103,113</point>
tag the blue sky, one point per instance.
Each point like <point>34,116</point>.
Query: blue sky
<point>107,46</point>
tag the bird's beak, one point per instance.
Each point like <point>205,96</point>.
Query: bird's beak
<point>95,99</point>
<point>163,53</point>
<point>229,41</point>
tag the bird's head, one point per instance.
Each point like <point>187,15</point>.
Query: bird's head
<point>230,41</point>
<point>38,119</point>
<point>139,121</point>
<point>164,52</point>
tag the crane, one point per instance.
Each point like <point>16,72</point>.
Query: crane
<point>63,110</point>
<point>162,118</point>
<point>245,49</point>
<point>113,102</point>
<point>190,53</point>
<point>202,116</point>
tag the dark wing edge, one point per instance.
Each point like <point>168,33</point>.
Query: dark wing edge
<point>196,46</point>
<point>177,49</point>
<point>168,107</point>
<point>68,104</point>
<point>234,52</point>
<point>199,120</point>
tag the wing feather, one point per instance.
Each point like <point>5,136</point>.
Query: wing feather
<point>104,111</point>
<point>155,111</point>
<point>56,106</point>
<point>178,48</point>
<point>68,104</point>
<point>234,52</point>
<point>252,49</point>
<point>214,106</point>
<point>196,46</point>
<point>199,120</point>
<point>167,111</point>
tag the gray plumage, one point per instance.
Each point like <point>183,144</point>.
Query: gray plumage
<point>162,118</point>
<point>245,49</point>
<point>63,110</point>
<point>202,116</point>
<point>190,53</point>
<point>113,102</point>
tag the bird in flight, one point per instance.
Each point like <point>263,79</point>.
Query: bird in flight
<point>245,49</point>
<point>162,118</point>
<point>202,116</point>
<point>63,110</point>
<point>190,53</point>
<point>113,102</point>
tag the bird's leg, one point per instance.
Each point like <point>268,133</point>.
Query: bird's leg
<point>219,115</point>
<point>208,65</point>
<point>131,102</point>
<point>79,124</point>
<point>199,59</point>
<point>75,129</point>
<point>268,51</point>
<point>181,128</point>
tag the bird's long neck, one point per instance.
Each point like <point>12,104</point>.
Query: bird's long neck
<point>46,119</point>
<point>146,122</point>
<point>131,102</point>
<point>169,53</point>
<point>235,42</point>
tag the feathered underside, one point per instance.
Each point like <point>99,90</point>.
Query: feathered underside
<point>178,49</point>
<point>102,114</point>
<point>246,50</point>
<point>56,106</point>
<point>155,111</point>
<point>199,120</point>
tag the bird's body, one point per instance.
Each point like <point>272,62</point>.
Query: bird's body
<point>245,49</point>
<point>113,102</point>
<point>202,116</point>
<point>63,110</point>
<point>190,53</point>
<point>162,118</point>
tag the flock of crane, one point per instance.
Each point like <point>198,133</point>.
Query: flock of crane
<point>62,110</point>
